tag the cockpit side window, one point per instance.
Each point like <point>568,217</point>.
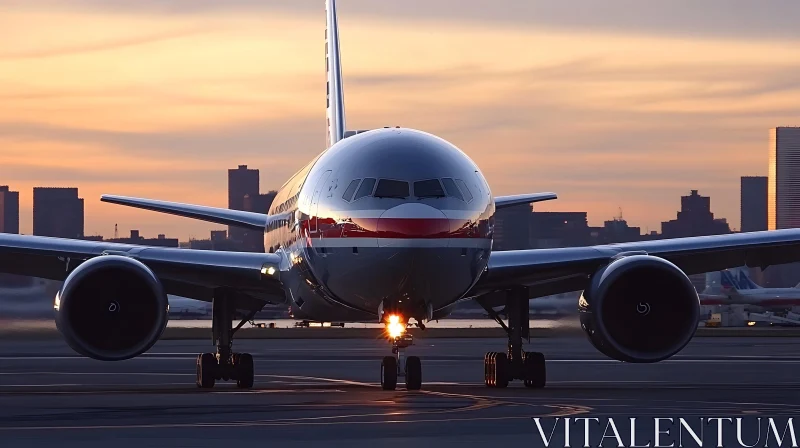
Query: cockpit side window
<point>388,188</point>
<point>365,189</point>
<point>463,186</point>
<point>451,188</point>
<point>351,189</point>
<point>428,189</point>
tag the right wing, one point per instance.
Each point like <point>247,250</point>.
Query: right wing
<point>225,216</point>
<point>508,201</point>
<point>183,272</point>
<point>553,271</point>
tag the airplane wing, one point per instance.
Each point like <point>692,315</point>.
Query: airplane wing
<point>553,271</point>
<point>508,201</point>
<point>212,214</point>
<point>183,272</point>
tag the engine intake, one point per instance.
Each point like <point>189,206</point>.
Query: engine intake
<point>111,308</point>
<point>640,308</point>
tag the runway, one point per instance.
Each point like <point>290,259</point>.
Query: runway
<point>327,391</point>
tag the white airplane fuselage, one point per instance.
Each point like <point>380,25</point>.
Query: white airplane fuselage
<point>390,220</point>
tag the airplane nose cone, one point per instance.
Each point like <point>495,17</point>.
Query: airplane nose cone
<point>398,226</point>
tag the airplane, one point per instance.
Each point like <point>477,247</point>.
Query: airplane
<point>389,225</point>
<point>735,287</point>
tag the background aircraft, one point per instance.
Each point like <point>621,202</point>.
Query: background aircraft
<point>389,225</point>
<point>735,287</point>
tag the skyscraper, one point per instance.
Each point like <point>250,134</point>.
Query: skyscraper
<point>9,210</point>
<point>694,219</point>
<point>57,212</point>
<point>783,192</point>
<point>754,203</point>
<point>241,182</point>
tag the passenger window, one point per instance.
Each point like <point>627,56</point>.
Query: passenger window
<point>391,189</point>
<point>365,189</point>
<point>451,189</point>
<point>351,189</point>
<point>428,189</point>
<point>463,186</point>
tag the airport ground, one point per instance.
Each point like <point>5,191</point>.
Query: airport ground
<point>326,392</point>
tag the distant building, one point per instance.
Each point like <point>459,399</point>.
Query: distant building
<point>512,228</point>
<point>783,192</point>
<point>241,182</point>
<point>694,219</point>
<point>615,231</point>
<point>754,203</point>
<point>559,229</point>
<point>136,238</point>
<point>218,241</point>
<point>9,210</point>
<point>57,212</point>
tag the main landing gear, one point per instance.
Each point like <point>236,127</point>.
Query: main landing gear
<point>224,364</point>
<point>398,365</point>
<point>501,368</point>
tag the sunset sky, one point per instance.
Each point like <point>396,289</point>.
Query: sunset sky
<point>615,104</point>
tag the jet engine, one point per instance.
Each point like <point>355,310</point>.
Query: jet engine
<point>111,308</point>
<point>639,308</point>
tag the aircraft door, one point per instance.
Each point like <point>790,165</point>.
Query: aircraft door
<point>314,209</point>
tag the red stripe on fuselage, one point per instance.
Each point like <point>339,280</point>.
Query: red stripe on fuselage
<point>405,228</point>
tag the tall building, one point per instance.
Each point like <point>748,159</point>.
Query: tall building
<point>559,229</point>
<point>754,203</point>
<point>9,210</point>
<point>241,182</point>
<point>783,192</point>
<point>512,228</point>
<point>694,219</point>
<point>57,212</point>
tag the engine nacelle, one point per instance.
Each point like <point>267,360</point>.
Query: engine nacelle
<point>111,308</point>
<point>640,308</point>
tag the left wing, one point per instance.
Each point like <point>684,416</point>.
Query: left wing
<point>508,201</point>
<point>217,215</point>
<point>553,271</point>
<point>183,272</point>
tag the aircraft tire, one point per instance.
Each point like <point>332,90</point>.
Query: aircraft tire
<point>534,370</point>
<point>413,373</point>
<point>245,371</point>
<point>500,367</point>
<point>389,373</point>
<point>206,370</point>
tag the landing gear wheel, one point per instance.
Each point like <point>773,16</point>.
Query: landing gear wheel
<point>413,373</point>
<point>243,366</point>
<point>534,370</point>
<point>206,370</point>
<point>389,373</point>
<point>495,369</point>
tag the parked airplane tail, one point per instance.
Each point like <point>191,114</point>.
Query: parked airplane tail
<point>736,279</point>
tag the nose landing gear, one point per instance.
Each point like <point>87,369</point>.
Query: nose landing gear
<point>398,365</point>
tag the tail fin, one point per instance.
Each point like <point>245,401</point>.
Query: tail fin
<point>333,66</point>
<point>727,281</point>
<point>745,282</point>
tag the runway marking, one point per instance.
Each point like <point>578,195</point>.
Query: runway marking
<point>262,423</point>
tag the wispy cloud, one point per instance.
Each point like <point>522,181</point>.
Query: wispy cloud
<point>100,46</point>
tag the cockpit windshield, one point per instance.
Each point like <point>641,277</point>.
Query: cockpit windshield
<point>391,189</point>
<point>428,189</point>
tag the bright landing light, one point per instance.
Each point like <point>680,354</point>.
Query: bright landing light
<point>394,328</point>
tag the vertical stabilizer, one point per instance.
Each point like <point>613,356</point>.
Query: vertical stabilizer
<point>333,66</point>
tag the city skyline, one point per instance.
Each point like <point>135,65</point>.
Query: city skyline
<point>609,110</point>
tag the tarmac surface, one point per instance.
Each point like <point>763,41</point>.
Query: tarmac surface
<point>327,392</point>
